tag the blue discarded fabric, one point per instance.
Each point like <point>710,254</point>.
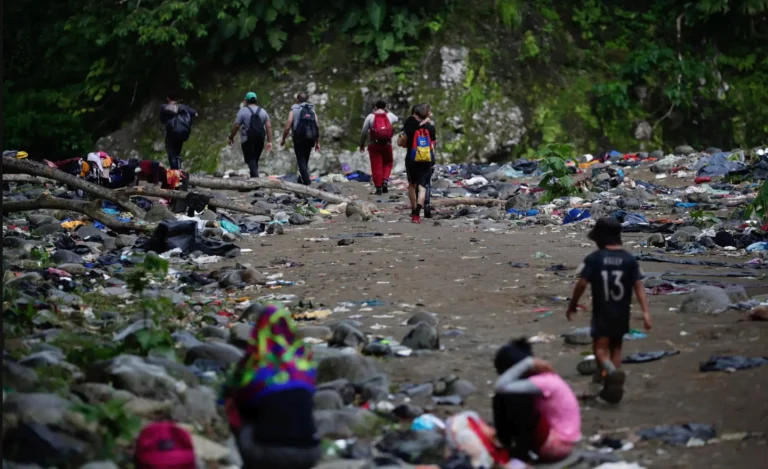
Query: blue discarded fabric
<point>523,213</point>
<point>686,204</point>
<point>359,176</point>
<point>106,205</point>
<point>737,362</point>
<point>720,164</point>
<point>644,357</point>
<point>229,227</point>
<point>758,247</point>
<point>678,434</point>
<point>99,225</point>
<point>123,219</point>
<point>615,154</point>
<point>575,215</point>
<point>110,211</point>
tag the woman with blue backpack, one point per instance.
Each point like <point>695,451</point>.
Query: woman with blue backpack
<point>418,138</point>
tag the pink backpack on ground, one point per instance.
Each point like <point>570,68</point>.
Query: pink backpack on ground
<point>164,445</point>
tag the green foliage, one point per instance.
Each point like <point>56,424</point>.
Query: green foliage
<point>153,267</point>
<point>703,218</point>
<point>557,176</point>
<point>509,12</point>
<point>116,425</point>
<point>759,206</point>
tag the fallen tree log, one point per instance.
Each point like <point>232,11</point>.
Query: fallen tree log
<point>92,209</point>
<point>263,183</point>
<point>37,169</point>
<point>172,194</point>
<point>26,178</point>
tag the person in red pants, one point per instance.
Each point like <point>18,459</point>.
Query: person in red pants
<point>378,128</point>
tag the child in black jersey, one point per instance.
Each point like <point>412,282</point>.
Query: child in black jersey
<point>612,273</point>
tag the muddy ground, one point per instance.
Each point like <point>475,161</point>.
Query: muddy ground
<point>462,274</point>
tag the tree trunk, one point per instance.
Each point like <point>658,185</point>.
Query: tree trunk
<point>91,209</point>
<point>218,203</point>
<point>37,169</point>
<point>263,183</point>
<point>26,178</point>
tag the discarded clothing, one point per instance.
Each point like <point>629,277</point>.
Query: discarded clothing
<point>720,164</point>
<point>678,434</point>
<point>467,433</point>
<point>644,357</point>
<point>184,235</point>
<point>575,215</point>
<point>652,258</point>
<point>737,362</point>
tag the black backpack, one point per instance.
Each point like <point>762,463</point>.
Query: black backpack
<point>306,129</point>
<point>180,125</point>
<point>256,129</point>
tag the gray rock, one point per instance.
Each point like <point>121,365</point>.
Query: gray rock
<point>94,393</point>
<point>354,368</point>
<point>159,213</point>
<point>62,256</point>
<point>41,219</point>
<point>461,387</point>
<point>38,443</point>
<point>32,277</point>
<point>351,322</point>
<point>252,276</point>
<point>42,408</point>
<point>47,229</point>
<point>298,219</point>
<point>355,217</point>
<point>377,349</point>
<point>125,241</point>
<point>208,215</point>
<point>508,190</point>
<point>684,150</point>
<point>133,374</point>
<point>657,240</point>
<point>252,312</point>
<point>705,299</point>
<point>407,411</point>
<point>316,332</point>
<point>630,204</point>
<point>186,338</point>
<point>174,369</point>
<point>342,387</point>
<point>423,316</point>
<point>223,354</point>
<point>216,332</point>
<point>90,231</point>
<point>345,423</point>
<point>231,278</point>
<point>330,187</point>
<point>699,198</point>
<point>658,154</point>
<point>42,358</point>
<point>131,330</point>
<point>423,336</point>
<point>520,202</point>
<point>347,336</point>
<point>358,207</point>
<point>327,399</point>
<point>420,390</point>
<point>240,333</point>
<point>580,336</point>
<point>376,388</point>
<point>228,237</point>
<point>415,447</point>
<point>198,405</point>
<point>19,377</point>
<point>259,218</point>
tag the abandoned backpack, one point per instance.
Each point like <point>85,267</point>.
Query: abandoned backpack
<point>307,129</point>
<point>256,129</point>
<point>180,125</point>
<point>164,445</point>
<point>421,150</point>
<point>381,129</point>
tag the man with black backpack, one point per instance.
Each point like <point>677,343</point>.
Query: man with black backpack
<point>302,121</point>
<point>255,126</point>
<point>177,119</point>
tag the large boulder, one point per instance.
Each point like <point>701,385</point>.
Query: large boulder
<point>353,368</point>
<point>705,299</point>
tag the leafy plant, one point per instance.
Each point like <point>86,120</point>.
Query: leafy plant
<point>702,218</point>
<point>759,206</point>
<point>116,425</point>
<point>557,180</point>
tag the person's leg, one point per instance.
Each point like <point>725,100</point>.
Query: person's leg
<point>303,150</point>
<point>173,149</point>
<point>612,377</point>
<point>155,172</point>
<point>615,347</point>
<point>387,161</point>
<point>520,424</point>
<point>377,169</point>
<point>412,196</point>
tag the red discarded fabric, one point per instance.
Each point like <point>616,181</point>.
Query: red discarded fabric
<point>702,179</point>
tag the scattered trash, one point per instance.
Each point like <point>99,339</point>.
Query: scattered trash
<point>732,362</point>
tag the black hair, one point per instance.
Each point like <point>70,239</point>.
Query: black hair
<point>420,111</point>
<point>252,101</point>
<point>172,95</point>
<point>607,231</point>
<point>427,108</point>
<point>381,104</point>
<point>302,97</point>
<point>511,354</point>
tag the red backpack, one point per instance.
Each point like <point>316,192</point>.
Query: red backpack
<point>381,129</point>
<point>164,445</point>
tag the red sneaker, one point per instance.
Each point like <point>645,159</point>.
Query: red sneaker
<point>415,219</point>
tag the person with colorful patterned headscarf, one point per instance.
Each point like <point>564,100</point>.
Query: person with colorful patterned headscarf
<point>269,396</point>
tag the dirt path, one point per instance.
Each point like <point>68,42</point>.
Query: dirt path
<point>463,275</point>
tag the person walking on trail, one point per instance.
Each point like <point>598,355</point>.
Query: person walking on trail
<point>303,125</point>
<point>255,127</point>
<point>428,187</point>
<point>177,119</point>
<point>268,396</point>
<point>613,274</point>
<point>378,126</point>
<point>418,138</point>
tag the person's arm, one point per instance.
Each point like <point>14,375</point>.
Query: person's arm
<point>268,126</point>
<point>235,129</point>
<point>512,381</point>
<point>192,112</point>
<point>287,129</point>
<point>640,292</point>
<point>578,290</point>
<point>317,143</point>
<point>365,132</point>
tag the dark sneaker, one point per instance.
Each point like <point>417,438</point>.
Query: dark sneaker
<point>427,212</point>
<point>378,191</point>
<point>384,189</point>
<point>613,387</point>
